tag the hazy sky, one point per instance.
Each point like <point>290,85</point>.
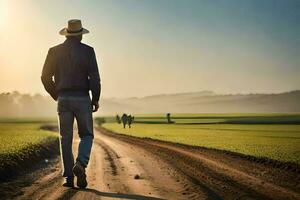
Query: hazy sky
<point>147,47</point>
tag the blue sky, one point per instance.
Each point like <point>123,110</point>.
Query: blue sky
<point>146,47</point>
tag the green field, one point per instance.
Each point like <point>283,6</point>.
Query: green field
<point>265,135</point>
<point>20,140</point>
<point>232,118</point>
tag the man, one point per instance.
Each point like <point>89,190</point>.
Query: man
<point>118,119</point>
<point>129,120</point>
<point>74,68</point>
<point>124,120</point>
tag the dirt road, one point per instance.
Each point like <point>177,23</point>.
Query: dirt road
<point>124,167</point>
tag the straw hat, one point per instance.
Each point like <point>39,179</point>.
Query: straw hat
<point>74,28</point>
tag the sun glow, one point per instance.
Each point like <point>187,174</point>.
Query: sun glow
<point>3,12</point>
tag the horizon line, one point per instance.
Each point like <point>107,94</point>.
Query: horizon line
<point>166,94</point>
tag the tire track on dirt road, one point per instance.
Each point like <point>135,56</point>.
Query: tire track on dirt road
<point>144,174</point>
<point>105,177</point>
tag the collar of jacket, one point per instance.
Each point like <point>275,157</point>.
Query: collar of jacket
<point>72,40</point>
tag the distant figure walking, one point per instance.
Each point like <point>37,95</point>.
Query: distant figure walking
<point>69,72</point>
<point>118,119</point>
<point>129,120</point>
<point>169,118</point>
<point>124,119</point>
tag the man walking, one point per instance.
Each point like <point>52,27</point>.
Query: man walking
<point>124,120</point>
<point>69,72</point>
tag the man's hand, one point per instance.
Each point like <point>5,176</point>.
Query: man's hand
<point>95,106</point>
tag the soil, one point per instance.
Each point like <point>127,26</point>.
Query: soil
<point>124,167</point>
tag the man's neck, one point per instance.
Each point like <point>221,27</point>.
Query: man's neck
<point>73,39</point>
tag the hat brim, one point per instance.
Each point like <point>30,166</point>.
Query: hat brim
<point>65,32</point>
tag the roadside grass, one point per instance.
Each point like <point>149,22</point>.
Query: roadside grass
<point>23,120</point>
<point>263,138</point>
<point>22,143</point>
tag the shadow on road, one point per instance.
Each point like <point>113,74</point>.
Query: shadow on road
<point>121,195</point>
<point>72,192</point>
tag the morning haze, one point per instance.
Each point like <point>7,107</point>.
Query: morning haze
<point>154,47</point>
<point>199,99</point>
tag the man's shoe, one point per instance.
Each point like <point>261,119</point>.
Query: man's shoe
<point>69,182</point>
<point>79,171</point>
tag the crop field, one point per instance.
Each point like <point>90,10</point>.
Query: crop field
<point>18,141</point>
<point>233,118</point>
<point>265,135</point>
<point>223,118</point>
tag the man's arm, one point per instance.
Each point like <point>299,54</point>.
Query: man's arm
<point>47,75</point>
<point>94,80</point>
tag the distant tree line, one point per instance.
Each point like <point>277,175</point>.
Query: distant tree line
<point>15,104</point>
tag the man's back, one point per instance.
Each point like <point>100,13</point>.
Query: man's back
<point>74,67</point>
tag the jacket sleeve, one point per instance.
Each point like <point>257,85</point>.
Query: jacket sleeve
<point>48,73</point>
<point>94,77</point>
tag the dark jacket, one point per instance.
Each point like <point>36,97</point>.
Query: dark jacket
<point>74,68</point>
